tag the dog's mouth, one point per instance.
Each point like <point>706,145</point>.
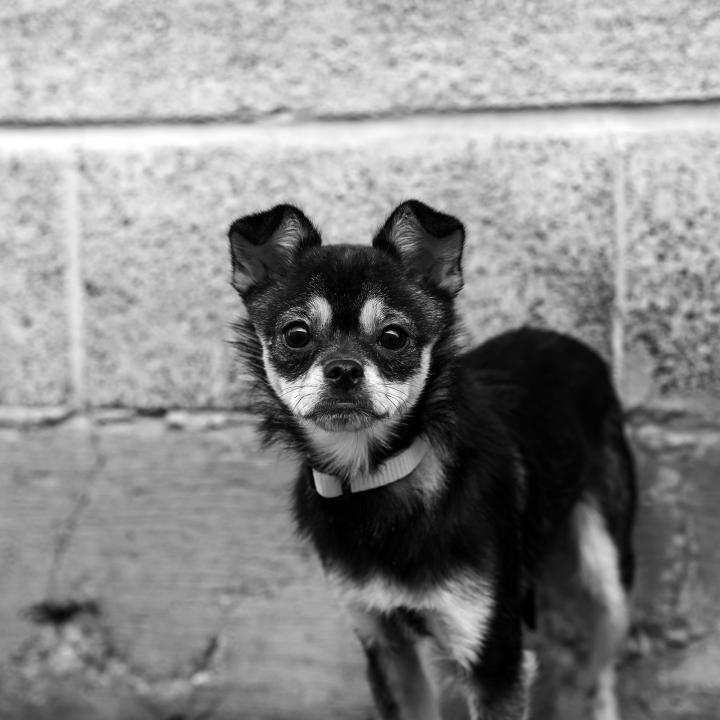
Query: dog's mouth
<point>337,415</point>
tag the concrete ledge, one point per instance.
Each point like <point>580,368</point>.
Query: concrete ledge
<point>224,60</point>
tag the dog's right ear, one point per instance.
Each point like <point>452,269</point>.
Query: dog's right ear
<point>263,245</point>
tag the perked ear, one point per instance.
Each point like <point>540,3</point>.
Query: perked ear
<point>427,242</point>
<point>264,244</point>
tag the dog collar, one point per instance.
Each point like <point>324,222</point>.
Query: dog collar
<point>393,469</point>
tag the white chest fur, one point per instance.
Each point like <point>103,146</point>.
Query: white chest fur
<point>457,612</point>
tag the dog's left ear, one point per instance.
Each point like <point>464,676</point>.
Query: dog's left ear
<point>263,245</point>
<point>427,242</point>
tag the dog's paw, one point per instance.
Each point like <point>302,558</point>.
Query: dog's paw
<point>603,704</point>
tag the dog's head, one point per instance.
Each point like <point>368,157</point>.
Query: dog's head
<point>344,335</point>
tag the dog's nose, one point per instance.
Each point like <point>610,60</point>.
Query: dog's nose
<point>343,372</point>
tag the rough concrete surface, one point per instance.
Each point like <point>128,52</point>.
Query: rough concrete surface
<point>678,584</point>
<point>171,579</point>
<point>167,580</point>
<point>124,59</point>
<point>673,264</point>
<point>539,216</point>
<point>34,345</point>
<point>540,247</point>
<point>44,477</point>
<point>156,278</point>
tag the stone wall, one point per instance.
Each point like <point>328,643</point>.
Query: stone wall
<point>149,566</point>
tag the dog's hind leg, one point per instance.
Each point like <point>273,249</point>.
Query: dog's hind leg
<point>601,576</point>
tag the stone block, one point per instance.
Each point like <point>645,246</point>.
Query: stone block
<point>180,529</point>
<point>253,59</point>
<point>678,580</point>
<point>672,330</point>
<point>34,352</point>
<point>676,685</point>
<point>155,264</point>
<point>43,482</point>
<point>173,577</point>
<point>625,51</point>
<point>540,244</point>
<point>539,249</point>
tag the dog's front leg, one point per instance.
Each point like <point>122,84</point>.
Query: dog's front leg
<point>398,679</point>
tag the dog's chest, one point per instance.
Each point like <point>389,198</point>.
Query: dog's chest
<point>457,613</point>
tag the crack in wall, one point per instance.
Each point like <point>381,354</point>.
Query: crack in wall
<point>72,519</point>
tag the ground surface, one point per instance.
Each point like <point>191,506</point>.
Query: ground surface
<point>150,570</point>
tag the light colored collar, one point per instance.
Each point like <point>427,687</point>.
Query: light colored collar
<point>394,468</point>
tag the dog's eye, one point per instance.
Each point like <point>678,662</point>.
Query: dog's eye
<point>296,334</point>
<point>393,338</point>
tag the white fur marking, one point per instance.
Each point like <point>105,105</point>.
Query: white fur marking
<point>600,574</point>
<point>290,233</point>
<point>599,567</point>
<point>459,611</point>
<point>371,315</point>
<point>417,381</point>
<point>604,703</point>
<point>395,398</point>
<point>299,395</point>
<point>406,232</point>
<point>320,311</point>
<point>429,476</point>
<point>348,451</point>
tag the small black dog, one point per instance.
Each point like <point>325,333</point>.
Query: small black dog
<point>434,483</point>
